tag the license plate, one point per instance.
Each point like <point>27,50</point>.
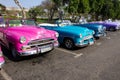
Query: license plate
<point>88,37</point>
<point>91,43</point>
<point>46,48</point>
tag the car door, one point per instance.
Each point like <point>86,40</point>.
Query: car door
<point>1,34</point>
<point>3,39</point>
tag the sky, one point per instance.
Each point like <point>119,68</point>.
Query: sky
<point>24,3</point>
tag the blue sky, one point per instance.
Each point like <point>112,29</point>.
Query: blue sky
<point>25,3</point>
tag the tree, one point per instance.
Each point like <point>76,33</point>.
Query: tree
<point>22,8</point>
<point>84,6</point>
<point>104,8</point>
<point>116,4</point>
<point>2,8</point>
<point>73,6</point>
<point>96,6</point>
<point>107,10</point>
<point>35,11</point>
<point>73,9</point>
<point>50,8</point>
<point>61,6</point>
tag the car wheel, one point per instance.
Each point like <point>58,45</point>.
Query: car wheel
<point>112,29</point>
<point>97,38</point>
<point>14,53</point>
<point>69,44</point>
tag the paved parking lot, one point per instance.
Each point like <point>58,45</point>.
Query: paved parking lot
<point>96,62</point>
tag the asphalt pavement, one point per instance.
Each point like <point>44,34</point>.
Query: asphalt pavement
<point>100,61</point>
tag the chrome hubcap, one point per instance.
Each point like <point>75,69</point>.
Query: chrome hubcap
<point>68,43</point>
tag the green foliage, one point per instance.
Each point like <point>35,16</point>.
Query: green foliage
<point>105,8</point>
<point>84,6</point>
<point>35,11</point>
<point>73,6</point>
<point>2,8</point>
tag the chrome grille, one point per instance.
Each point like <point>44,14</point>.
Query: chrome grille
<point>40,42</point>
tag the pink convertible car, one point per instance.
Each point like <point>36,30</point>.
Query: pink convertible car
<point>24,40</point>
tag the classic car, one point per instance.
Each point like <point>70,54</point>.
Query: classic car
<point>2,60</point>
<point>71,36</point>
<point>98,29</point>
<point>110,25</point>
<point>25,40</point>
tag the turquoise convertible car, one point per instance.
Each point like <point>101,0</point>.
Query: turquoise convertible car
<point>71,36</point>
<point>100,30</point>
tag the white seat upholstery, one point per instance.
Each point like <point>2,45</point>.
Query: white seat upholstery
<point>47,24</point>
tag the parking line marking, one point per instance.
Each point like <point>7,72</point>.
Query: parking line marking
<point>108,37</point>
<point>66,51</point>
<point>99,43</point>
<point>114,34</point>
<point>5,75</point>
<point>78,55</point>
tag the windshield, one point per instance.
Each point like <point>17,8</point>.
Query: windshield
<point>109,20</point>
<point>13,23</point>
<point>83,21</point>
<point>29,22</point>
<point>62,23</point>
<point>18,23</point>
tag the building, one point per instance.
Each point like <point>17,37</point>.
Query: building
<point>15,11</point>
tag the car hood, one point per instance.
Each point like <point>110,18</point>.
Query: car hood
<point>109,23</point>
<point>115,23</point>
<point>30,32</point>
<point>91,26</point>
<point>75,29</point>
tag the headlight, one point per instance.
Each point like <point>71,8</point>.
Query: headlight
<point>93,32</point>
<point>104,28</point>
<point>22,39</point>
<point>99,29</point>
<point>118,26</point>
<point>80,35</point>
<point>57,34</point>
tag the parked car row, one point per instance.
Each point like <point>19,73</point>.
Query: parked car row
<point>24,37</point>
<point>71,36</point>
<point>97,28</point>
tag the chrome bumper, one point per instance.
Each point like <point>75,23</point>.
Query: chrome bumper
<point>1,64</point>
<point>100,34</point>
<point>82,44</point>
<point>36,49</point>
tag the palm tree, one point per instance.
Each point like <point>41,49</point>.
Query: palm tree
<point>22,8</point>
<point>2,8</point>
